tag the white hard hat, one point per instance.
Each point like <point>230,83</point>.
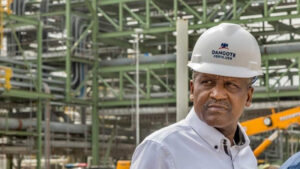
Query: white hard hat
<point>227,50</point>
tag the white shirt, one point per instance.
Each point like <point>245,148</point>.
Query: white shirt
<point>192,144</point>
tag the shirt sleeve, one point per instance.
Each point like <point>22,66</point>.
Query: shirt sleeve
<point>150,155</point>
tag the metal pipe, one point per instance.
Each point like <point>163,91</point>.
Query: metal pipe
<point>137,99</point>
<point>265,49</point>
<point>39,90</point>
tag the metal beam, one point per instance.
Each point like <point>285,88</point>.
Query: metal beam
<point>25,94</point>
<point>190,9</point>
<point>142,102</point>
<point>161,12</point>
<point>39,89</point>
<point>109,19</point>
<point>95,89</point>
<point>68,50</point>
<point>135,16</point>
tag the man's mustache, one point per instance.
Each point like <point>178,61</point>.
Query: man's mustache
<point>220,102</point>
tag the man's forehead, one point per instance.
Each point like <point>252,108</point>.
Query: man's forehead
<point>198,74</point>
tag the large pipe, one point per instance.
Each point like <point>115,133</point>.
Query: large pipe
<point>265,49</point>
<point>23,124</point>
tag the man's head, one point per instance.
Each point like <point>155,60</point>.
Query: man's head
<point>225,60</point>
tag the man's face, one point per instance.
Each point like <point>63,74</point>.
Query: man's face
<point>218,100</point>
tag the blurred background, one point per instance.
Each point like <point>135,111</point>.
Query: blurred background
<point>82,82</point>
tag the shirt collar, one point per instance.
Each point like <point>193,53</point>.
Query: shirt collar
<point>211,135</point>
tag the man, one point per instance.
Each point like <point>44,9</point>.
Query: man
<point>225,62</point>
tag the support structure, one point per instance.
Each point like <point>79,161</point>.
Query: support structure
<point>95,116</point>
<point>181,69</point>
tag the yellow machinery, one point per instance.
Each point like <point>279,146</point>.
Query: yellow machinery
<point>123,164</point>
<point>3,8</point>
<point>281,120</point>
<point>5,76</point>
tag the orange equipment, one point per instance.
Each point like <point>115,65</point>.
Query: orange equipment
<point>281,120</point>
<point>123,164</point>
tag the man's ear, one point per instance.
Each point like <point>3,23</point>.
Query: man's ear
<point>249,96</point>
<point>191,90</point>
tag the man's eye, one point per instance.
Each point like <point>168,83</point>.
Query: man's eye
<point>206,82</point>
<point>232,85</point>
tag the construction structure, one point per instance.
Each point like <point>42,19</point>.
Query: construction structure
<point>86,80</point>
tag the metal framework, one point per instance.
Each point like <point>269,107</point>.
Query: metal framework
<point>90,42</point>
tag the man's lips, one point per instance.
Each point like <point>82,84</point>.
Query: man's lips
<point>217,107</point>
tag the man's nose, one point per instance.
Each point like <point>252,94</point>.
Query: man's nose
<point>218,92</point>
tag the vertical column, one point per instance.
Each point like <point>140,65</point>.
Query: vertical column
<point>137,104</point>
<point>148,85</point>
<point>68,51</point>
<point>204,7</point>
<point>175,8</point>
<point>121,85</point>
<point>234,9</point>
<point>298,6</point>
<point>95,96</point>
<point>298,72</point>
<point>267,75</point>
<point>120,16</point>
<point>181,69</point>
<point>147,14</point>
<point>39,90</point>
<point>266,8</point>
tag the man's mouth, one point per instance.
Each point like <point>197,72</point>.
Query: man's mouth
<point>217,107</point>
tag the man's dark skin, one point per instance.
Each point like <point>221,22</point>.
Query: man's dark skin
<point>219,101</point>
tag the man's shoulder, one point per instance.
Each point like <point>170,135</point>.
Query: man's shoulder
<point>161,135</point>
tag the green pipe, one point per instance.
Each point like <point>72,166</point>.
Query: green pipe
<point>110,69</point>
<point>175,9</point>
<point>267,75</point>
<point>204,7</point>
<point>273,7</point>
<point>108,18</point>
<point>108,86</point>
<point>216,9</point>
<point>68,50</point>
<point>298,71</point>
<point>244,9</point>
<point>134,84</point>
<point>162,12</point>
<point>298,6</point>
<point>22,19</point>
<point>161,82</point>
<point>142,102</point>
<point>120,16</point>
<point>39,89</point>
<point>121,85</point>
<point>148,83</point>
<point>95,89</point>
<point>234,9</point>
<point>134,15</point>
<point>25,94</point>
<point>190,9</point>
<point>148,14</point>
<point>283,74</point>
<point>266,8</point>
<point>18,133</point>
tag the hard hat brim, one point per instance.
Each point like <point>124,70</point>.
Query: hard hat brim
<point>224,70</point>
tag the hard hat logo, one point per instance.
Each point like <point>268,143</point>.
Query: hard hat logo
<point>224,46</point>
<point>223,54</point>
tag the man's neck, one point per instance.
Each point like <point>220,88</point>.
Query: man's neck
<point>229,132</point>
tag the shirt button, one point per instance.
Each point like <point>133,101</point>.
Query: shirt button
<point>216,147</point>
